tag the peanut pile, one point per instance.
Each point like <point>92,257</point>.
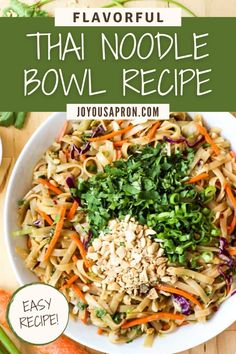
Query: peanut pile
<point>127,259</point>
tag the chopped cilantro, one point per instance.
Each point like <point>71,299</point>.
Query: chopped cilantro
<point>117,317</point>
<point>57,218</point>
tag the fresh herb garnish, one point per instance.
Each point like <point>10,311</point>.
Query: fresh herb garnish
<point>74,192</point>
<point>57,218</point>
<point>117,317</point>
<point>81,306</point>
<point>100,313</point>
<point>20,202</point>
<point>150,187</point>
<point>20,9</point>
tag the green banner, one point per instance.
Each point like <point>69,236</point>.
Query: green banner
<point>192,67</point>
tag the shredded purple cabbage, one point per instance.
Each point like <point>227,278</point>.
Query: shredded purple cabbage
<point>71,184</point>
<point>37,222</point>
<point>182,303</point>
<point>224,254</point>
<point>87,241</point>
<point>228,278</point>
<point>233,292</point>
<point>75,151</point>
<point>174,141</point>
<point>184,140</point>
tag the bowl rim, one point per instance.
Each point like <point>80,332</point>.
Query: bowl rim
<point>109,348</point>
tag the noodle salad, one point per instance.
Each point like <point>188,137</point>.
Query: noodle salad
<point>134,221</point>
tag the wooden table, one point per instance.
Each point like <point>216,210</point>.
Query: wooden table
<point>13,142</point>
<point>199,7</point>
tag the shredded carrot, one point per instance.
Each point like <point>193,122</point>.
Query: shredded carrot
<point>29,243</point>
<point>197,178</point>
<point>74,258</point>
<point>112,134</point>
<point>49,185</point>
<point>45,216</point>
<point>119,142</point>
<point>78,292</point>
<point>209,140</point>
<point>69,282</point>
<point>82,250</point>
<point>232,225</point>
<point>157,316</point>
<point>153,129</point>
<point>165,326</point>
<point>67,153</point>
<point>232,251</point>
<point>72,210</point>
<point>118,154</point>
<point>183,323</point>
<point>232,154</point>
<point>57,233</point>
<point>183,293</point>
<point>230,194</point>
<point>63,131</point>
<point>100,331</point>
<point>82,157</point>
<point>85,319</point>
<point>119,121</point>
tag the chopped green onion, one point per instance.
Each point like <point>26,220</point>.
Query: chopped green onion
<point>207,257</point>
<point>100,313</point>
<point>23,232</point>
<point>81,306</point>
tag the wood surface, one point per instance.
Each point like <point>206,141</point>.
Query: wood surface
<point>224,8</point>
<point>13,142</point>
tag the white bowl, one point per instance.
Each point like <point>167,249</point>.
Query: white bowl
<point>184,338</point>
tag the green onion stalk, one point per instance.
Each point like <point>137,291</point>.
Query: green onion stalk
<point>7,344</point>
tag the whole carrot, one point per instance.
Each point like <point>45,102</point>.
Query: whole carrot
<point>4,299</point>
<point>62,345</point>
